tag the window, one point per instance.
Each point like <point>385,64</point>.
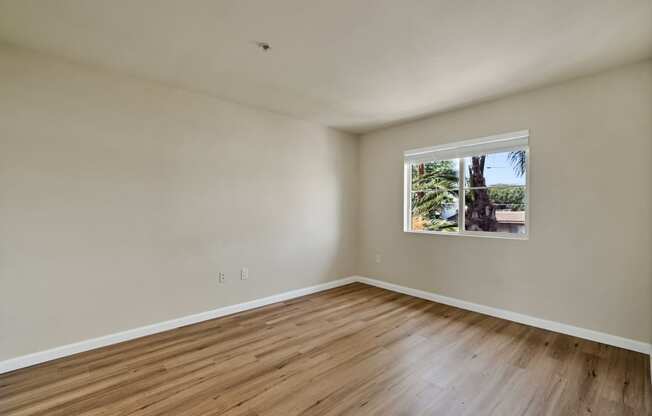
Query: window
<point>475,187</point>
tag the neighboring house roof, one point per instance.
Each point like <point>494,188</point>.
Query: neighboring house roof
<point>510,217</point>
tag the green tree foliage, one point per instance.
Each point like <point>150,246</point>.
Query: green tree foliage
<point>508,197</point>
<point>435,184</point>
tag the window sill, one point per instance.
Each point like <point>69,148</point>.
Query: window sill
<point>502,236</point>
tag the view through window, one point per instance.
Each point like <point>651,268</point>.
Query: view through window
<point>485,181</point>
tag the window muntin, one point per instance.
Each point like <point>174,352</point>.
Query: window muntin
<point>492,192</point>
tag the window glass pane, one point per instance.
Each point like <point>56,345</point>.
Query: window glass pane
<point>440,175</point>
<point>496,209</point>
<point>434,211</point>
<point>508,168</point>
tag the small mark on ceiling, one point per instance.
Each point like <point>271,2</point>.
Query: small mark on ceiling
<point>264,46</point>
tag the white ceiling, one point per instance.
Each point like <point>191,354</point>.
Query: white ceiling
<point>351,64</point>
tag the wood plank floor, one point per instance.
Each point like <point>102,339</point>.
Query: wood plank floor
<point>353,350</point>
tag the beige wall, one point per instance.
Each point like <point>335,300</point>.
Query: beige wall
<point>120,201</point>
<point>588,261</point>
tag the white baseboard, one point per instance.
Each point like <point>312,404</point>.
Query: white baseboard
<point>575,331</point>
<point>90,344</point>
<point>70,349</point>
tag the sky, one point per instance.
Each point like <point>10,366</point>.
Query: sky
<point>499,170</point>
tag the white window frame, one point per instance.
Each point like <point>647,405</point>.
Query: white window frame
<point>488,144</point>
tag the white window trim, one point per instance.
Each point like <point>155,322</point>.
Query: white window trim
<point>480,143</point>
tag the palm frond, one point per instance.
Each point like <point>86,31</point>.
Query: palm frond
<point>518,161</point>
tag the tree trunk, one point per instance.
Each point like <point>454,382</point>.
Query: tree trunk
<point>480,212</point>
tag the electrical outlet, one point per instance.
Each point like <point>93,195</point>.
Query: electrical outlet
<point>244,273</point>
<point>221,278</point>
<point>378,258</point>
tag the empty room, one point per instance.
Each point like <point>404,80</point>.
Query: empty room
<point>302,207</point>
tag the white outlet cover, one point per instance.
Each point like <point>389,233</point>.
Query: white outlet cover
<point>244,274</point>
